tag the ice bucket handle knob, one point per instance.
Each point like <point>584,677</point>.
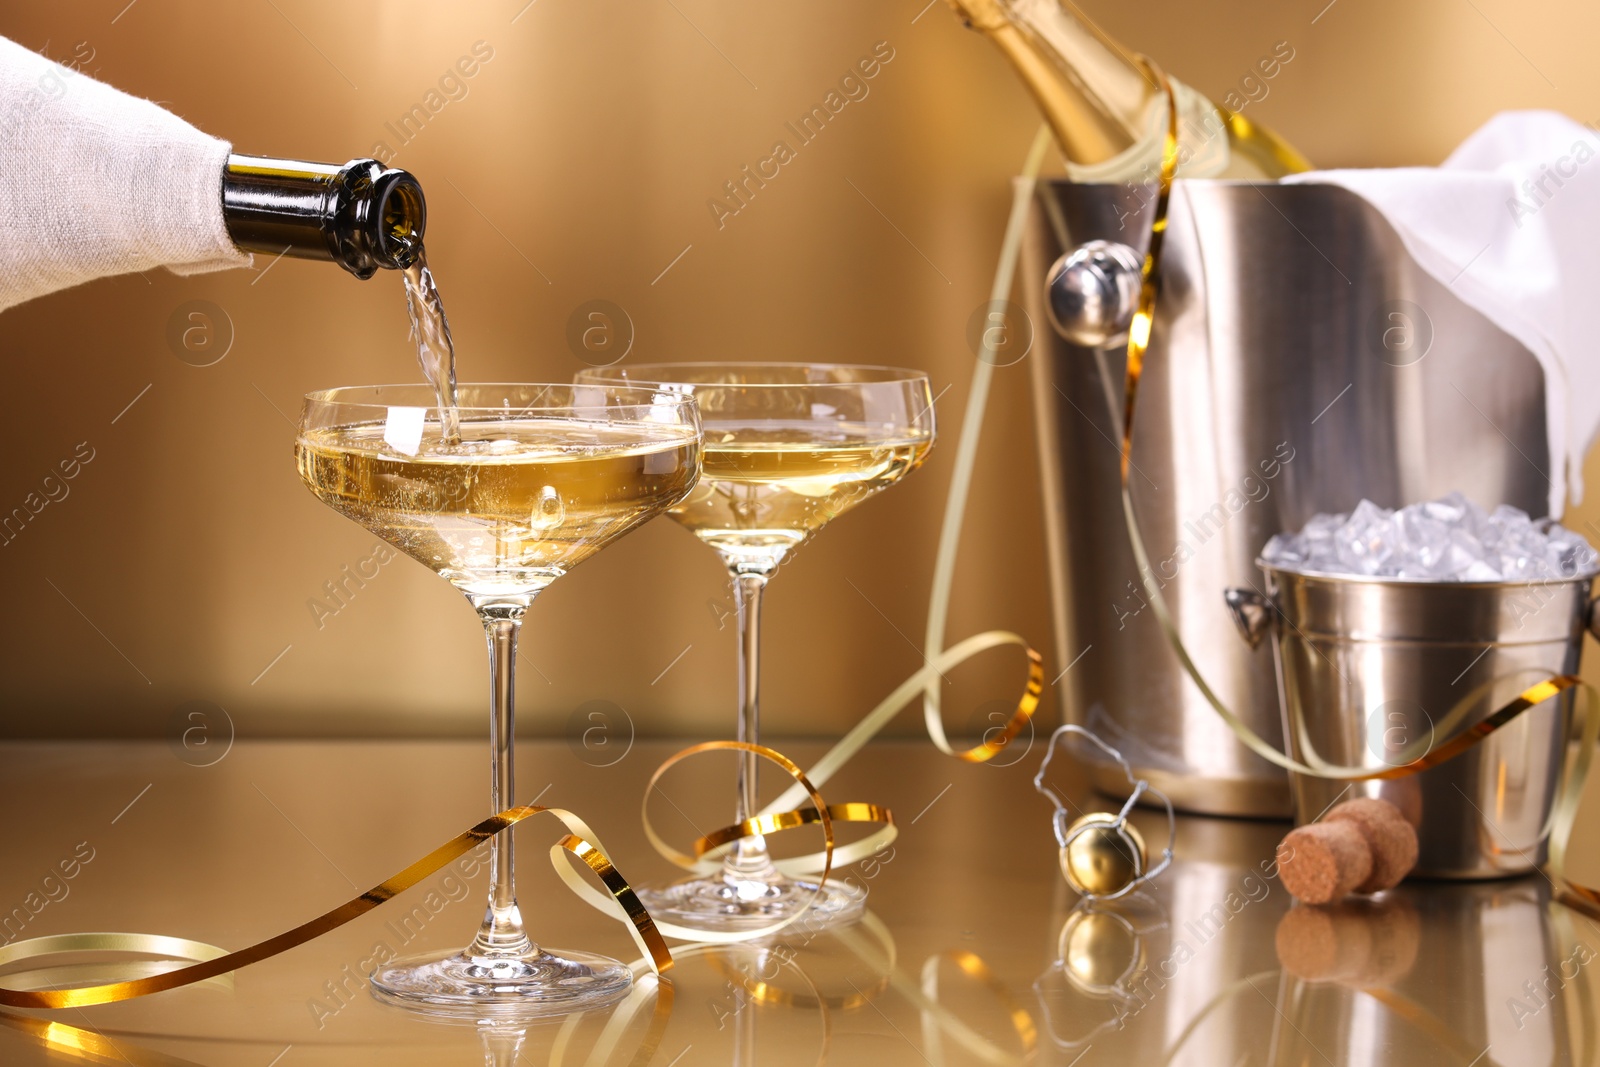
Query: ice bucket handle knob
<point>1252,614</point>
<point>1092,293</point>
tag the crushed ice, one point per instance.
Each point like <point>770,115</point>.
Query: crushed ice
<point>1448,540</point>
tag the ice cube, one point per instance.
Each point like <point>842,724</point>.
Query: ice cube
<point>1450,510</point>
<point>1285,548</point>
<point>1450,539</point>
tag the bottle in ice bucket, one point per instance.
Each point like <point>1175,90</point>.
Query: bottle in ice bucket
<point>1109,114</point>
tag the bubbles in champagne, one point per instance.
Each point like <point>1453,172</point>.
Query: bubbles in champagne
<point>512,507</point>
<point>768,485</point>
<point>747,508</point>
<point>548,512</point>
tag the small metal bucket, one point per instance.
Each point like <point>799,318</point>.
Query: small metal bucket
<point>1368,668</point>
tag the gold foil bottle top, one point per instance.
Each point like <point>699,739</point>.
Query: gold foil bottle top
<point>1102,855</point>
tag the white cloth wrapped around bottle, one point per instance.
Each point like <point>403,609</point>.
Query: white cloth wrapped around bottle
<point>1510,223</point>
<point>94,182</point>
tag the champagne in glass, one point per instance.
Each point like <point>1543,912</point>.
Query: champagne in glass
<point>536,479</point>
<point>788,448</point>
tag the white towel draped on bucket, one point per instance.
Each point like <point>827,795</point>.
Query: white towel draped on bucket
<point>95,182</point>
<point>1511,224</point>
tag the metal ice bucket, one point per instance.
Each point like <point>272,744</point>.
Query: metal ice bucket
<point>1301,361</point>
<point>1369,666</point>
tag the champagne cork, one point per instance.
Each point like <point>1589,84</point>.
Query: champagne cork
<point>1362,846</point>
<point>1392,839</point>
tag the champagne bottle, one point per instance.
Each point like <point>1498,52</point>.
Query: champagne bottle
<point>1108,114</point>
<point>362,215</point>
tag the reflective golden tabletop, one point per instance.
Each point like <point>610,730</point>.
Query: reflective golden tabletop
<point>972,952</point>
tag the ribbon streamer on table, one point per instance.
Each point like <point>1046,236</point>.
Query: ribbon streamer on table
<point>1410,760</point>
<point>210,961</point>
<point>782,813</point>
<point>819,813</point>
<point>581,842</point>
<point>940,660</point>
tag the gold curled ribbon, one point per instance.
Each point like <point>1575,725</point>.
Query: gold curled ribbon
<point>582,842</point>
<point>716,842</point>
<point>1563,813</point>
<point>783,813</point>
<point>822,816</point>
<point>1144,315</point>
<point>955,508</point>
<point>840,754</point>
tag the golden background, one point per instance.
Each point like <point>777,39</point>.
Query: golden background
<point>576,164</point>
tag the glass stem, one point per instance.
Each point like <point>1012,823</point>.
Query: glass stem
<point>502,1043</point>
<point>749,860</point>
<point>501,933</point>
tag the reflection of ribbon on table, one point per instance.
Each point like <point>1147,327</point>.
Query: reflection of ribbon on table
<point>764,990</point>
<point>209,961</point>
<point>923,994</point>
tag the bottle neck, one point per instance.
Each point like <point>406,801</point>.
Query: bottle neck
<point>1095,97</point>
<point>362,215</point>
<point>1108,114</point>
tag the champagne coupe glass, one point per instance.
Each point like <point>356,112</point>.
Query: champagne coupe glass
<point>543,477</point>
<point>788,447</point>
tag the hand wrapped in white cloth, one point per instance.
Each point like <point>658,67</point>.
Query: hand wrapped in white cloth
<point>95,182</point>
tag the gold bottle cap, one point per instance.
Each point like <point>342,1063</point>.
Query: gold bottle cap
<point>1102,855</point>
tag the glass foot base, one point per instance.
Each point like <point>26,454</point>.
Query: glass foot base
<point>714,903</point>
<point>547,982</point>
